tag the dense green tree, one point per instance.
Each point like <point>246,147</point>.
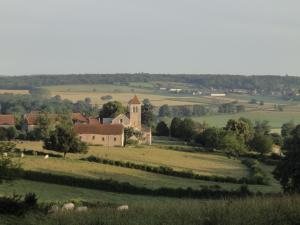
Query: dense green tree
<point>232,145</point>
<point>128,133</point>
<point>187,129</point>
<point>64,139</point>
<point>111,109</point>
<point>241,128</point>
<point>148,116</point>
<point>11,133</point>
<point>262,127</point>
<point>162,129</point>
<point>287,128</point>
<point>288,170</point>
<point>210,137</point>
<point>175,126</point>
<point>262,143</point>
<point>9,169</point>
<point>164,111</point>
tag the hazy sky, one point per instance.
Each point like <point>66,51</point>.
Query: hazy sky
<point>155,36</point>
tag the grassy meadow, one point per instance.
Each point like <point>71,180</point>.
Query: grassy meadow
<point>270,210</point>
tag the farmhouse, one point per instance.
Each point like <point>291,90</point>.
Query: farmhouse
<point>101,134</point>
<point>7,121</point>
<point>111,131</point>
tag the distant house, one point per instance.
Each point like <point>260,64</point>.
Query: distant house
<point>101,134</point>
<point>175,90</point>
<point>7,121</point>
<point>217,94</point>
<point>78,118</point>
<point>31,121</point>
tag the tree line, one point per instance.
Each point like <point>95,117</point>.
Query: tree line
<point>262,84</point>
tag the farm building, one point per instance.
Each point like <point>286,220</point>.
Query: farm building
<point>7,121</point>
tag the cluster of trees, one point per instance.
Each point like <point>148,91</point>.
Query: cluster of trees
<point>231,107</point>
<point>40,101</point>
<point>262,84</point>
<point>183,111</point>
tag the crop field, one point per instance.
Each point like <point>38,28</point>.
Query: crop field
<point>20,92</point>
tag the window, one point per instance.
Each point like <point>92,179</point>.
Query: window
<point>80,137</point>
<point>121,120</point>
<point>103,139</point>
<point>115,139</point>
<point>136,109</point>
<point>93,137</point>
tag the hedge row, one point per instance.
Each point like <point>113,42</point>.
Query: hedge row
<point>125,187</point>
<point>171,172</point>
<point>256,173</point>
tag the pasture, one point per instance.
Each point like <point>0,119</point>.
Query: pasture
<point>201,163</point>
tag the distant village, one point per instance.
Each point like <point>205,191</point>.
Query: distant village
<point>94,131</point>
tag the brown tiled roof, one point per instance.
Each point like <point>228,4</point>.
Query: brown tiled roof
<point>102,129</point>
<point>79,117</point>
<point>7,120</point>
<point>135,100</point>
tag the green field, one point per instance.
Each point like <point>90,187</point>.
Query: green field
<point>276,119</point>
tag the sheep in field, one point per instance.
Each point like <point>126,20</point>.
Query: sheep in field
<point>123,207</point>
<point>46,156</point>
<point>68,207</point>
<point>81,209</point>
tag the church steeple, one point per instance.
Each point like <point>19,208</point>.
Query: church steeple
<point>135,108</point>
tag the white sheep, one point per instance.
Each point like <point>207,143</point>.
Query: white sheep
<point>46,156</point>
<point>22,155</point>
<point>81,209</point>
<point>5,154</point>
<point>123,207</point>
<point>68,207</point>
<point>53,209</point>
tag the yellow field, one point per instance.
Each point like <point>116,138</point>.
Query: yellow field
<point>201,163</point>
<point>20,92</point>
<point>156,100</point>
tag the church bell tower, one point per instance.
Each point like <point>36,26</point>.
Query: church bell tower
<point>135,110</point>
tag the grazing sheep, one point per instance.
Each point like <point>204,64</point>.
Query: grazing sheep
<point>22,155</point>
<point>5,154</point>
<point>53,209</point>
<point>68,207</point>
<point>46,157</point>
<point>81,209</point>
<point>123,207</point>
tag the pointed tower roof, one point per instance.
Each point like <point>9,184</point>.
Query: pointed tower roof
<point>134,101</point>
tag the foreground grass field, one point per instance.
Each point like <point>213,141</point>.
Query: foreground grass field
<point>283,210</point>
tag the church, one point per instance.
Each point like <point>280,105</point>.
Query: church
<point>110,131</point>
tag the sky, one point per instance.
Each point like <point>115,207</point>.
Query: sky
<point>154,36</point>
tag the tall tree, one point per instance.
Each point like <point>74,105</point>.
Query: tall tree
<point>262,143</point>
<point>175,126</point>
<point>164,111</point>
<point>112,109</point>
<point>64,139</point>
<point>148,116</point>
<point>162,129</point>
<point>287,128</point>
<point>288,170</point>
<point>262,127</point>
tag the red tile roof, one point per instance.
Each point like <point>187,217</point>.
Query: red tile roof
<point>135,101</point>
<point>102,129</point>
<point>7,120</point>
<point>79,117</point>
